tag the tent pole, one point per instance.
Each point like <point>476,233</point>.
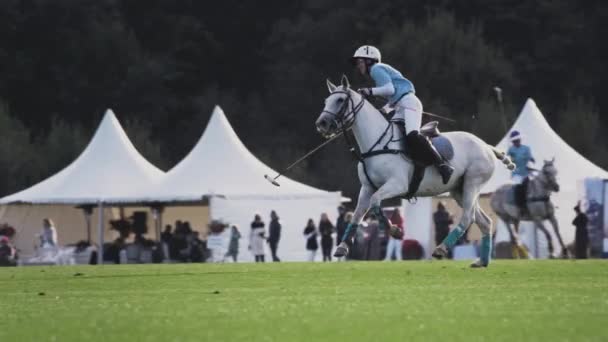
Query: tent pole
<point>88,211</point>
<point>100,234</point>
<point>160,223</point>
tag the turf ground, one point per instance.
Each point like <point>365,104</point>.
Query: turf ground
<point>374,301</point>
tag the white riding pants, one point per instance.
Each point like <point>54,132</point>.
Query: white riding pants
<point>409,111</point>
<point>517,179</point>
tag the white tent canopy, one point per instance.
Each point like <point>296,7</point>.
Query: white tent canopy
<point>220,164</point>
<point>108,169</point>
<point>222,168</point>
<point>545,145</point>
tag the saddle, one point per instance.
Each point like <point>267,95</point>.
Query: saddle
<point>442,144</point>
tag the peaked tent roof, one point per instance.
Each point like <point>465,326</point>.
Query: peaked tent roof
<point>545,145</point>
<point>108,169</point>
<point>220,164</point>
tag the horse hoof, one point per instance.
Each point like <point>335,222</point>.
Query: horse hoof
<point>341,251</point>
<point>478,264</point>
<point>440,252</point>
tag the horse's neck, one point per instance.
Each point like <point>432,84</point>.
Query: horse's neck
<point>368,127</point>
<point>538,187</point>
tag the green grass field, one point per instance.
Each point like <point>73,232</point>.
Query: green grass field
<point>374,301</point>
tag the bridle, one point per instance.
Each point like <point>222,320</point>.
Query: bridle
<point>344,119</point>
<point>548,178</point>
<point>545,179</point>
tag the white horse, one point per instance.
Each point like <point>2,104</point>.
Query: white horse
<point>385,172</point>
<point>538,207</point>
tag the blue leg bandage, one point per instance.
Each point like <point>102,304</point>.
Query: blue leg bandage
<point>350,231</point>
<point>453,237</point>
<point>485,249</point>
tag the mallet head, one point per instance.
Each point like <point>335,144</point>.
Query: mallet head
<point>272,180</point>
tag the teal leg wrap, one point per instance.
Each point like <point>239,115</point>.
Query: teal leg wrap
<point>350,231</point>
<point>453,237</point>
<point>485,249</point>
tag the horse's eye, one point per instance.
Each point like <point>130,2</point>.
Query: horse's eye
<point>340,100</point>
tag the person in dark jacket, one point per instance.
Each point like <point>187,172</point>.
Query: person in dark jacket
<point>443,220</point>
<point>340,224</point>
<point>310,233</point>
<point>257,237</point>
<point>326,229</point>
<point>274,235</point>
<point>581,236</point>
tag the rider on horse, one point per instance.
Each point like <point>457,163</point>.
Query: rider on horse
<point>521,156</point>
<point>400,93</point>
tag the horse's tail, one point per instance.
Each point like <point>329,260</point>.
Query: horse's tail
<point>502,156</point>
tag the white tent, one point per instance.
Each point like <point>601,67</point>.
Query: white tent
<point>545,145</point>
<point>220,167</point>
<point>108,169</point>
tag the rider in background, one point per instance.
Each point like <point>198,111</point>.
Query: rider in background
<point>521,156</point>
<point>400,93</point>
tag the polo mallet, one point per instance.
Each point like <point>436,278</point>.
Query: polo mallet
<point>274,182</point>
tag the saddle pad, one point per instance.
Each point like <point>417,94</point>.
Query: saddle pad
<point>443,146</point>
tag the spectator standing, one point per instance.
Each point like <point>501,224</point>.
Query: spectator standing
<point>326,229</point>
<point>443,220</point>
<point>166,235</point>
<point>372,238</point>
<point>394,244</point>
<point>256,238</point>
<point>348,218</point>
<point>581,236</point>
<point>340,224</point>
<point>233,245</point>
<point>48,236</point>
<point>8,255</point>
<point>274,230</point>
<point>310,232</point>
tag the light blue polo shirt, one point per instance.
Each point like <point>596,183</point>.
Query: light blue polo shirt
<point>383,73</point>
<point>521,156</point>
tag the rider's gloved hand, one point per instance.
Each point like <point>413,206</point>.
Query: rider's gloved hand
<point>365,91</point>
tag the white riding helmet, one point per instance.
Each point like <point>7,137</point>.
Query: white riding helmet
<point>369,52</point>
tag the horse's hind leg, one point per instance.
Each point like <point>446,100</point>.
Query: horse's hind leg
<point>555,225</point>
<point>485,225</point>
<point>468,201</point>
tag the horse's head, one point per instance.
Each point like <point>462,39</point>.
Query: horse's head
<point>549,172</point>
<point>341,107</point>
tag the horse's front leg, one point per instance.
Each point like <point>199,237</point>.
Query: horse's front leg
<point>555,225</point>
<point>365,194</point>
<point>390,189</point>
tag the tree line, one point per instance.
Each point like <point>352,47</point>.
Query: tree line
<point>162,65</point>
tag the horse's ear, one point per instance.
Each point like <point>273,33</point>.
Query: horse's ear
<point>552,160</point>
<point>345,82</point>
<point>330,86</point>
